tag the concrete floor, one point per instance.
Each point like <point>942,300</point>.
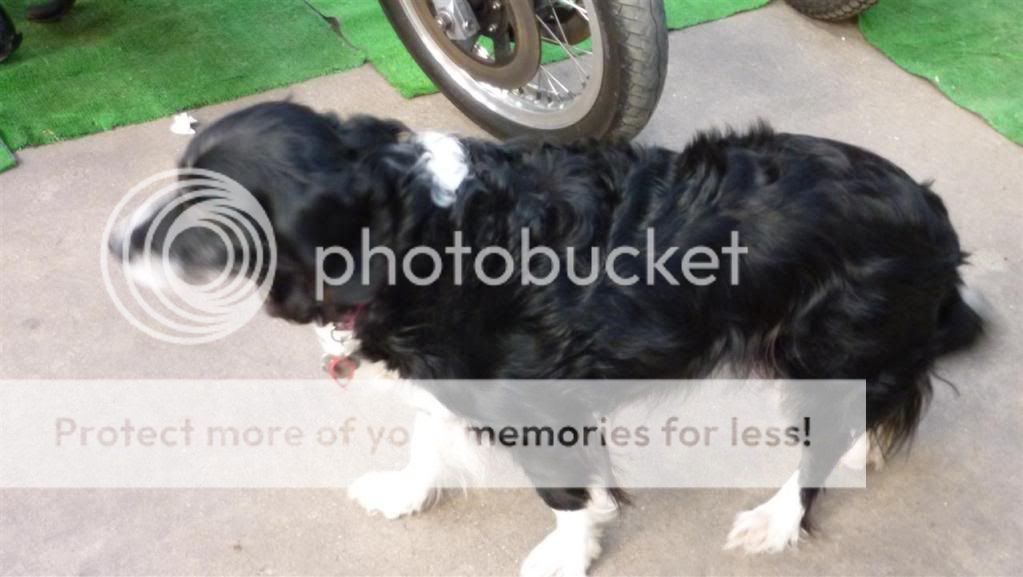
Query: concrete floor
<point>954,508</point>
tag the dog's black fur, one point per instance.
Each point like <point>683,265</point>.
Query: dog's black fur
<point>851,270</point>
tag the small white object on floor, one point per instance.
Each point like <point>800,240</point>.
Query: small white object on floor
<point>183,124</point>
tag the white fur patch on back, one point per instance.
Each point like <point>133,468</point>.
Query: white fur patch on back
<point>445,160</point>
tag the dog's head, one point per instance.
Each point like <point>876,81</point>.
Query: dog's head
<point>315,181</point>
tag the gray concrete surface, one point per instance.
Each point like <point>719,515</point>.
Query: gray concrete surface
<point>953,508</point>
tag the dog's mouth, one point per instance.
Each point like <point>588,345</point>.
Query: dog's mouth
<point>298,309</point>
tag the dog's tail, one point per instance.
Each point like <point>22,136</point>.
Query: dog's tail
<point>961,320</point>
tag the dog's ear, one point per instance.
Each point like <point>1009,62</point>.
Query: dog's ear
<point>367,204</point>
<point>363,134</point>
<point>354,211</point>
<point>371,208</point>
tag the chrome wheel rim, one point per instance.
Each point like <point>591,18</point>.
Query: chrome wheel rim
<point>560,95</point>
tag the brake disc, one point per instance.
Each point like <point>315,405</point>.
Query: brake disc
<point>494,41</point>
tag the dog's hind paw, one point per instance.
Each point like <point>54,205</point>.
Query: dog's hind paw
<point>863,454</point>
<point>856,457</point>
<point>393,494</point>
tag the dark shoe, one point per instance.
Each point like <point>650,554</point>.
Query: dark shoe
<point>50,11</point>
<point>9,37</point>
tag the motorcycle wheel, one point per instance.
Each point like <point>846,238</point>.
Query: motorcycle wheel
<point>498,69</point>
<point>831,10</point>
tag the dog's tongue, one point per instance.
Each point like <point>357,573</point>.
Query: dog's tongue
<point>347,322</point>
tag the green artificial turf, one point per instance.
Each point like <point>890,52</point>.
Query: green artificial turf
<point>972,50</point>
<point>6,157</point>
<point>116,62</point>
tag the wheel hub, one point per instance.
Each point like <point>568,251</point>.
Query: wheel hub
<point>456,19</point>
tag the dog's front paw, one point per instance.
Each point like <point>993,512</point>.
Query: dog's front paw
<point>393,494</point>
<point>772,526</point>
<point>766,529</point>
<point>562,554</point>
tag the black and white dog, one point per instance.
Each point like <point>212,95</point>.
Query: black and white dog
<point>851,272</point>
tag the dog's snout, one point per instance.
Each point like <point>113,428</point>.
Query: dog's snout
<point>115,243</point>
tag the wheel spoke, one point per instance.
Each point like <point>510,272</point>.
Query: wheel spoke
<point>552,80</point>
<point>573,6</point>
<point>582,71</point>
<point>568,48</point>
